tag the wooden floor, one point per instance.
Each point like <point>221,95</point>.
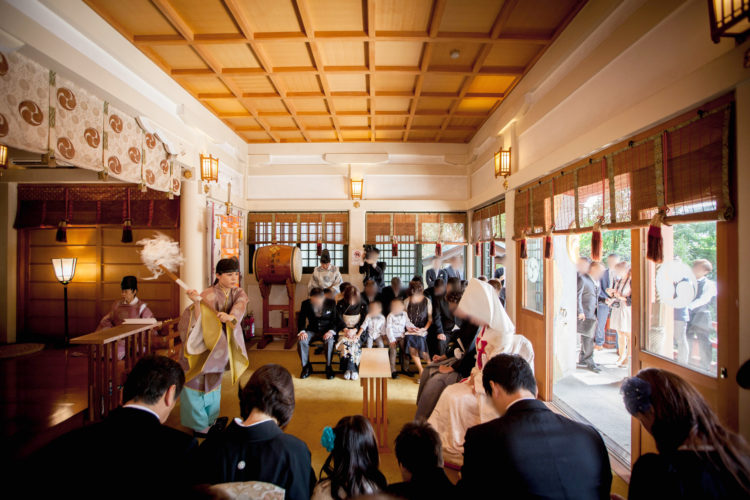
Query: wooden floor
<point>42,395</point>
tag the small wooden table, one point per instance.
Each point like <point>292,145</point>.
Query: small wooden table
<point>105,391</point>
<point>374,372</point>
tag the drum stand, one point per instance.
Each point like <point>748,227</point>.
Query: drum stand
<point>269,331</point>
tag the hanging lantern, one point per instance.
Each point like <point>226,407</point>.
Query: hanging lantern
<point>319,247</point>
<point>493,250</point>
<point>502,165</point>
<point>127,225</point>
<point>357,187</point>
<point>438,249</point>
<point>478,248</point>
<point>548,249</point>
<point>523,252</point>
<point>209,170</point>
<point>596,241</point>
<point>3,156</point>
<point>655,241</point>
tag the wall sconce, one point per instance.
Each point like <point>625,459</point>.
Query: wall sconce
<point>729,18</point>
<point>209,170</point>
<point>65,269</point>
<point>502,165</point>
<point>3,156</point>
<point>357,187</point>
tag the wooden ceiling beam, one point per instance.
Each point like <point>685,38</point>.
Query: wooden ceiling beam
<point>369,23</point>
<point>182,27</point>
<point>303,12</point>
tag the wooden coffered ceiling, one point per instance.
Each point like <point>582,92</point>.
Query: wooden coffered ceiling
<point>344,70</point>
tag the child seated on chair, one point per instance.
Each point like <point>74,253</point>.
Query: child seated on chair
<point>396,327</point>
<point>350,350</point>
<point>374,325</point>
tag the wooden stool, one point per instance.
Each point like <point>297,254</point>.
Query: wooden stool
<point>374,372</point>
<point>268,330</point>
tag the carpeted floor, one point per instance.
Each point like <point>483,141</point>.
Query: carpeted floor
<point>321,402</point>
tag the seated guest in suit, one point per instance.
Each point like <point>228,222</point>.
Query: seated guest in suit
<point>420,458</point>
<point>342,289</point>
<point>435,272</point>
<point>698,457</point>
<point>444,322</point>
<point>255,447</point>
<point>317,320</point>
<point>389,293</point>
<point>130,442</point>
<point>453,285</point>
<point>330,294</point>
<point>530,450</point>
<point>436,290</point>
<point>370,293</point>
<point>351,469</point>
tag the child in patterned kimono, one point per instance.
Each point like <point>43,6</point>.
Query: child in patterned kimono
<point>129,307</point>
<point>351,312</point>
<point>211,334</point>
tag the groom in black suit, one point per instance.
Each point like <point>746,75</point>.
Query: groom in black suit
<point>530,451</point>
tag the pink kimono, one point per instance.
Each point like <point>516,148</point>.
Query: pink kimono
<point>121,311</point>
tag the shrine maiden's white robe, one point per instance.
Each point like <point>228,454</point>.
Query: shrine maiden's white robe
<point>465,404</point>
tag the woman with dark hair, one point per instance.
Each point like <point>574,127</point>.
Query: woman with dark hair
<point>351,313</point>
<point>255,447</point>
<point>698,457</point>
<point>419,309</point>
<point>351,469</point>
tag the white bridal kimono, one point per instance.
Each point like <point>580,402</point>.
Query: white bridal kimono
<point>464,404</point>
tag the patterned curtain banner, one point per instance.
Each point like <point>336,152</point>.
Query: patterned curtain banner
<point>76,124</point>
<point>157,173</point>
<point>122,145</point>
<point>230,236</point>
<point>24,103</point>
<point>176,184</point>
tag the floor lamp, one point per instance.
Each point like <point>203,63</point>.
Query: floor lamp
<point>65,269</point>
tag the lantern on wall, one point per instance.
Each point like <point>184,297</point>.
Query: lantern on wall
<point>209,170</point>
<point>3,156</point>
<point>502,165</point>
<point>729,18</point>
<point>357,187</point>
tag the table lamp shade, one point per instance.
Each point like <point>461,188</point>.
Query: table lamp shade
<point>65,269</point>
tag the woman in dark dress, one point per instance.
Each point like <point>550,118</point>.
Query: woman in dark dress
<point>419,309</point>
<point>698,458</point>
<point>255,447</point>
<point>351,312</point>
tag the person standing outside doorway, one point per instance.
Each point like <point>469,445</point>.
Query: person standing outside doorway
<point>604,308</point>
<point>588,292</point>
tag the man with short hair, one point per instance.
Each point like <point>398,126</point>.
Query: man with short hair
<point>588,294</point>
<point>531,451</point>
<point>130,442</point>
<point>372,268</point>
<point>435,272</point>
<point>316,321</point>
<point>700,323</point>
<point>604,308</point>
<point>454,270</point>
<point>370,293</point>
<point>394,291</point>
<point>419,453</point>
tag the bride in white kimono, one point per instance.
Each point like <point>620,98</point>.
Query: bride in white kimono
<point>464,404</point>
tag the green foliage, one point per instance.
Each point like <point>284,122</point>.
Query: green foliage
<point>617,242</point>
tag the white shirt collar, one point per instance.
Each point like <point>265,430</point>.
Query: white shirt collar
<point>133,302</point>
<point>240,422</point>
<point>139,407</point>
<point>516,401</point>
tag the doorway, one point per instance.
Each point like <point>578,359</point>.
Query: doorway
<point>593,396</point>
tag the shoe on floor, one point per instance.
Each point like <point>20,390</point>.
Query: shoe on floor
<point>347,375</point>
<point>594,368</point>
<point>306,371</point>
<point>355,375</point>
<point>394,375</point>
<point>329,373</point>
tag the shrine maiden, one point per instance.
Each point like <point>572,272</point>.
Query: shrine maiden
<point>212,339</point>
<point>130,306</point>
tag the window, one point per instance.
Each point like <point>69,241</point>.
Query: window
<point>488,226</point>
<point>304,230</point>
<point>533,276</point>
<point>404,265</point>
<point>681,324</point>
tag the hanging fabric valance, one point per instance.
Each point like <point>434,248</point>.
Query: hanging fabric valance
<point>487,223</point>
<point>447,228</point>
<point>298,227</point>
<point>681,166</point>
<point>42,112</point>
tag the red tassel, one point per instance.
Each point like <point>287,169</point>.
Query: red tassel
<point>596,243</point>
<point>319,248</point>
<point>655,242</point>
<point>127,231</point>
<point>493,251</point>
<point>548,249</point>
<point>438,250</point>
<point>478,248</point>
<point>523,254</point>
<point>394,249</point>
<point>62,232</point>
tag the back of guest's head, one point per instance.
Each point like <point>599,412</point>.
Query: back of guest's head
<point>418,448</point>
<point>369,283</point>
<point>271,391</point>
<point>454,284</point>
<point>325,257</point>
<point>395,281</point>
<point>509,371</point>
<point>439,283</point>
<point>316,292</point>
<point>704,264</point>
<point>354,461</point>
<point>482,278</point>
<point>351,295</point>
<point>683,419</point>
<point>151,378</point>
<point>496,284</point>
<point>454,297</point>
<point>415,287</point>
<point>464,284</point>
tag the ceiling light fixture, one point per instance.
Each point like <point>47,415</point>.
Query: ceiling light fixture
<point>455,53</point>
